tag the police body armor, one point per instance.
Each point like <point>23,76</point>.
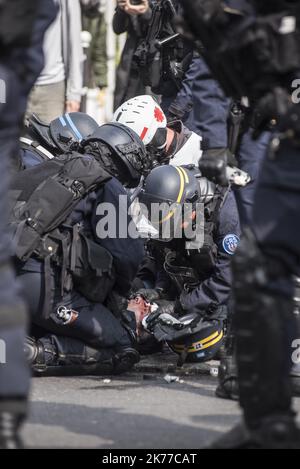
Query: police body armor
<point>188,268</point>
<point>165,56</point>
<point>42,200</point>
<point>27,144</point>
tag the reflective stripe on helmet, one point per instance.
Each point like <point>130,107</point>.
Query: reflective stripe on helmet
<point>186,177</point>
<point>63,122</point>
<point>180,194</point>
<point>144,133</point>
<point>73,127</point>
<point>183,178</point>
<point>201,345</point>
<point>182,184</point>
<point>144,116</point>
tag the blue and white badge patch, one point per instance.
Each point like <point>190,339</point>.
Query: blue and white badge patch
<point>230,243</point>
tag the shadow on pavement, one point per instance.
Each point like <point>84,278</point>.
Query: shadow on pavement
<point>207,385</point>
<point>124,430</point>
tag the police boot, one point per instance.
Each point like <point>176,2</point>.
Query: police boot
<point>10,424</point>
<point>295,352</point>
<point>227,376</point>
<point>61,356</point>
<point>124,359</point>
<point>263,322</point>
<point>38,355</point>
<point>275,432</point>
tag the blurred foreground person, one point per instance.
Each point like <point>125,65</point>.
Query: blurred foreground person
<point>197,233</point>
<point>171,143</point>
<point>21,61</point>
<point>268,258</point>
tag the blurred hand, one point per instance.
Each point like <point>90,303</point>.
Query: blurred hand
<point>122,4</point>
<point>134,10</point>
<point>72,106</point>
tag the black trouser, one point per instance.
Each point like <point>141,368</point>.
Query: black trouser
<point>95,325</point>
<point>264,286</point>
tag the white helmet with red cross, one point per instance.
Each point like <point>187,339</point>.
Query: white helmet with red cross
<point>146,118</point>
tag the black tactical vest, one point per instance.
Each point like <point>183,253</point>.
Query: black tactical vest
<point>42,199</point>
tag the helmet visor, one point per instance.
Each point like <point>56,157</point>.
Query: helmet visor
<point>164,216</point>
<point>159,140</point>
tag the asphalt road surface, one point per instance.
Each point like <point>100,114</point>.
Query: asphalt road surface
<point>133,411</point>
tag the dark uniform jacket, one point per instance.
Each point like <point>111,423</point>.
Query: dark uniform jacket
<point>215,288</point>
<point>127,252</point>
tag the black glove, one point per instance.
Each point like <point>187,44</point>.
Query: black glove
<point>275,109</point>
<point>176,113</point>
<point>174,308</point>
<point>151,295</point>
<point>164,325</point>
<point>116,303</point>
<point>164,307</point>
<point>213,165</point>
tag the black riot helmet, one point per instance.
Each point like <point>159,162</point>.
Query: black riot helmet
<point>167,190</point>
<point>120,150</point>
<point>63,133</point>
<point>200,341</point>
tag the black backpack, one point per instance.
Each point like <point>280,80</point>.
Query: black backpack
<point>42,199</point>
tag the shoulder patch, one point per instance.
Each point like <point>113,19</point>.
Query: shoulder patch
<point>230,243</point>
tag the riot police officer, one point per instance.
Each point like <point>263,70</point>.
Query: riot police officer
<point>73,311</point>
<point>197,276</point>
<point>23,25</point>
<point>169,143</point>
<point>166,143</point>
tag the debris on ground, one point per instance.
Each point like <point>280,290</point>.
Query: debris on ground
<point>171,379</point>
<point>214,372</point>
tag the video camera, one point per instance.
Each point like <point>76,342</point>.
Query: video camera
<point>161,56</point>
